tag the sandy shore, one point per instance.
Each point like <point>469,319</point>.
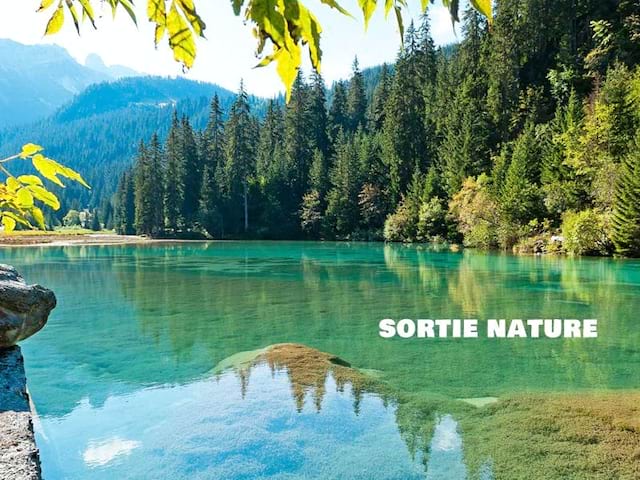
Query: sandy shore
<point>62,239</point>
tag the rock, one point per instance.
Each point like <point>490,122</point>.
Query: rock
<point>19,459</point>
<point>24,309</point>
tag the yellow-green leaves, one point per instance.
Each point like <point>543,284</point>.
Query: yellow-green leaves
<point>56,21</point>
<point>181,23</point>
<point>50,169</point>
<point>30,149</point>
<point>484,7</point>
<point>18,196</point>
<point>368,7</point>
<point>9,223</point>
<point>288,26</point>
<point>285,27</point>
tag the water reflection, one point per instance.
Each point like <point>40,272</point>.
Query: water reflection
<point>148,315</point>
<point>144,326</point>
<point>224,426</point>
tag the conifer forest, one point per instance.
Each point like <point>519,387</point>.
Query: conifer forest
<point>523,136</point>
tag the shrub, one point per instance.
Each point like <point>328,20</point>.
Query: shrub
<point>585,233</point>
<point>476,212</point>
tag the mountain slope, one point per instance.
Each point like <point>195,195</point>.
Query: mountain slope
<point>98,133</point>
<point>35,80</point>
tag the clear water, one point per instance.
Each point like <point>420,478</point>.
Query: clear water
<point>122,378</point>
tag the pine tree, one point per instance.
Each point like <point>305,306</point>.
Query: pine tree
<point>192,173</point>
<point>342,213</point>
<point>148,188</point>
<point>298,134</point>
<point>356,99</point>
<point>626,212</point>
<point>318,114</point>
<point>213,156</point>
<point>174,179</point>
<point>520,196</point>
<point>239,158</point>
<point>379,100</point>
<point>125,205</point>
<point>338,116</point>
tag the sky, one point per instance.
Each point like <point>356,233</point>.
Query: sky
<point>227,55</point>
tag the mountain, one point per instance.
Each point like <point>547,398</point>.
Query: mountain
<point>36,80</point>
<point>94,62</point>
<point>99,131</point>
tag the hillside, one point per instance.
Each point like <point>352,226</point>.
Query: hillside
<point>98,132</point>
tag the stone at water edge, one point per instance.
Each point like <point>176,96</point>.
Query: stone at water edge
<point>24,309</point>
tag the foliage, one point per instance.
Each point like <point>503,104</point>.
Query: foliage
<point>626,214</point>
<point>476,213</point>
<point>478,142</point>
<point>287,27</point>
<point>21,197</point>
<point>585,233</point>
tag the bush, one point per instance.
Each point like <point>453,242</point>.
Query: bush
<point>476,212</point>
<point>400,225</point>
<point>585,233</point>
<point>432,220</point>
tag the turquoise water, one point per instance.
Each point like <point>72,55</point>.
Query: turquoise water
<point>122,376</point>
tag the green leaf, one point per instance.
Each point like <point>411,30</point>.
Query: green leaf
<point>157,13</point>
<point>50,169</point>
<point>13,185</point>
<point>484,7</point>
<point>180,38</point>
<point>189,10</point>
<point>45,4</point>
<point>368,7</point>
<point>399,20</point>
<point>38,216</point>
<point>87,9</point>
<point>45,196</point>
<point>25,198</point>
<point>336,5</point>
<point>30,149</point>
<point>74,14</point>
<point>56,21</point>
<point>9,224</point>
<point>30,179</point>
<point>128,6</point>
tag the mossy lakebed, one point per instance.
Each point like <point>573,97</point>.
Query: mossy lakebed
<point>536,436</point>
<point>143,326</point>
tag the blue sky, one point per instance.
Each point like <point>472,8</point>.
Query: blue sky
<point>227,55</point>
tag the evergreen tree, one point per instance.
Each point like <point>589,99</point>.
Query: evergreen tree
<point>174,179</point>
<point>342,215</point>
<point>298,134</point>
<point>338,116</point>
<point>239,159</point>
<point>213,156</point>
<point>125,205</point>
<point>356,99</point>
<point>191,171</point>
<point>379,100</point>
<point>318,114</point>
<point>148,188</point>
<point>626,213</point>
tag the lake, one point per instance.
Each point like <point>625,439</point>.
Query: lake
<point>128,378</point>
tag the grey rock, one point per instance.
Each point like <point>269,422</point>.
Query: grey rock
<point>19,459</point>
<point>24,309</point>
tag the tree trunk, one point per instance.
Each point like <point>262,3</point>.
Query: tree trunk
<point>246,208</point>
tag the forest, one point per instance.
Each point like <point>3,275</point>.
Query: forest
<point>524,136</point>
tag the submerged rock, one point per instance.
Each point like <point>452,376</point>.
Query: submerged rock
<point>24,309</point>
